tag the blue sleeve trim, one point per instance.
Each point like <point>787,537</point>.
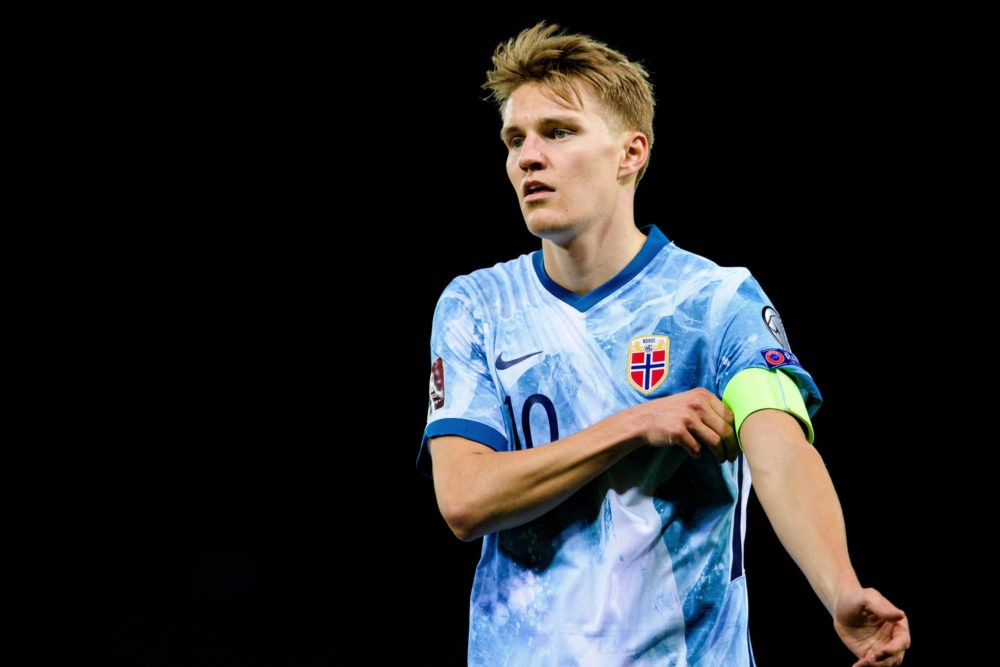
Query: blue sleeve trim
<point>461,427</point>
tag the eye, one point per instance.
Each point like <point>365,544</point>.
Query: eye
<point>560,134</point>
<point>516,142</point>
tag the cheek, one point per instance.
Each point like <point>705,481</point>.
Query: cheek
<point>601,172</point>
<point>587,176</point>
<point>513,171</point>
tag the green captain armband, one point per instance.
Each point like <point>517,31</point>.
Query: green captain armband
<point>754,389</point>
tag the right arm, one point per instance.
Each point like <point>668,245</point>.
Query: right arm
<point>481,491</point>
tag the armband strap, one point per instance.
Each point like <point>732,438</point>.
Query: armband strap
<point>754,389</point>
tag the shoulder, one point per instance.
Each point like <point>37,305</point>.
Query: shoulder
<point>703,274</point>
<point>490,281</point>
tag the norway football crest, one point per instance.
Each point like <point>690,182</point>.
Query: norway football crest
<point>648,362</point>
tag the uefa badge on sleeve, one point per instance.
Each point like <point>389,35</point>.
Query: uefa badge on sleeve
<point>648,361</point>
<point>775,357</point>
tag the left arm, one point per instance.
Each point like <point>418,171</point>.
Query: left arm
<point>797,494</point>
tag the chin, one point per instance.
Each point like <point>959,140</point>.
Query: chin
<point>560,235</point>
<point>545,225</point>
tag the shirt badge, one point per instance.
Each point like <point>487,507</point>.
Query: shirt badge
<point>436,387</point>
<point>775,357</point>
<point>648,361</point>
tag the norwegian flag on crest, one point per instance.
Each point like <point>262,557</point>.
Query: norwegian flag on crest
<point>648,361</point>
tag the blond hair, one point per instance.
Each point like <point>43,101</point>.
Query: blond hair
<point>561,61</point>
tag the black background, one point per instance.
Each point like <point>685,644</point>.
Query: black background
<point>238,220</point>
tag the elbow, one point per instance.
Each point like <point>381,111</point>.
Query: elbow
<point>466,533</point>
<point>464,522</point>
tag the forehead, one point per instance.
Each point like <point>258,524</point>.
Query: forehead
<point>533,101</point>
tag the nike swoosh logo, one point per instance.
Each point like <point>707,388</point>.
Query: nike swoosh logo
<point>507,363</point>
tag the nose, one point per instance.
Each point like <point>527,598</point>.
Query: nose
<point>531,157</point>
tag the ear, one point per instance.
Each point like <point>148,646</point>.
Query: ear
<point>635,155</point>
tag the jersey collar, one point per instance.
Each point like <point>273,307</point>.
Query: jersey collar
<point>655,240</point>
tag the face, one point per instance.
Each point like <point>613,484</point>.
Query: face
<point>564,162</point>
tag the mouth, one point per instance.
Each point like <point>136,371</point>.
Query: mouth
<point>534,190</point>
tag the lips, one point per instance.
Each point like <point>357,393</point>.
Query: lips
<point>534,190</point>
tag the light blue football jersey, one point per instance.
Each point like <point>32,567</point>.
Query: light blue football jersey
<point>642,566</point>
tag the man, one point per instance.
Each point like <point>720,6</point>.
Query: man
<point>599,408</point>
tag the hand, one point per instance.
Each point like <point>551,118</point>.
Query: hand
<point>693,419</point>
<point>872,627</point>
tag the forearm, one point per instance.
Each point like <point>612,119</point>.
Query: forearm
<point>798,496</point>
<point>481,491</point>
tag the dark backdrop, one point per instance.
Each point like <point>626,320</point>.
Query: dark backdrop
<point>238,222</point>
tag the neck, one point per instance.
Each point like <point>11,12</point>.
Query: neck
<point>592,258</point>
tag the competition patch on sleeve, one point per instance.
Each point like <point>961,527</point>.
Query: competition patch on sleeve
<point>436,386</point>
<point>775,357</point>
<point>773,322</point>
<point>648,361</point>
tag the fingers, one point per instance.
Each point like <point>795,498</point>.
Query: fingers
<point>722,440</point>
<point>694,420</point>
<point>691,444</point>
<point>890,661</point>
<point>867,619</point>
<point>713,427</point>
<point>876,603</point>
<point>709,438</point>
<point>731,446</point>
<point>723,446</point>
